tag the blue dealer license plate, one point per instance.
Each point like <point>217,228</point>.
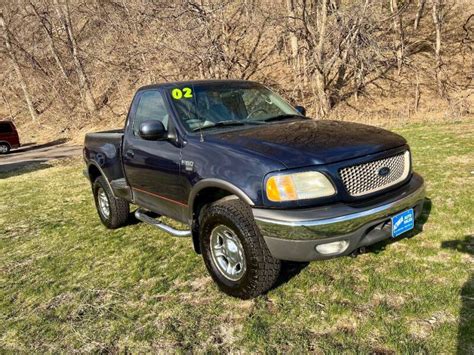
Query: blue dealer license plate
<point>403,222</point>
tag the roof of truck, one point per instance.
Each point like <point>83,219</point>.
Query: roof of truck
<point>196,82</point>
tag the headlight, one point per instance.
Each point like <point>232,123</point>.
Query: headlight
<point>298,186</point>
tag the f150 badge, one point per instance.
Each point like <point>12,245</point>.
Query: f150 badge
<point>188,165</point>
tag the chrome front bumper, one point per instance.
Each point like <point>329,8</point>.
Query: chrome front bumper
<point>294,234</point>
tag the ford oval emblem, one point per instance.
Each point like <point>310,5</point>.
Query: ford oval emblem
<point>384,171</point>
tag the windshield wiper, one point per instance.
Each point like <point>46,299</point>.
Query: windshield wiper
<point>220,124</point>
<point>282,117</point>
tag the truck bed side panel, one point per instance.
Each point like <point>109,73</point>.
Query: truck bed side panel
<point>104,149</point>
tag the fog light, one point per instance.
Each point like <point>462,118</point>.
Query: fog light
<point>332,248</point>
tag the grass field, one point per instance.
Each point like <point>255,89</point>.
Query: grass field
<point>69,284</point>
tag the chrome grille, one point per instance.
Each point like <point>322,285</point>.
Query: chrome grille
<point>376,175</point>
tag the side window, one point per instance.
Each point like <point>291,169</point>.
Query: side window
<point>150,107</point>
<point>5,128</point>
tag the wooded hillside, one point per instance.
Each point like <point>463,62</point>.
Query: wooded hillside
<point>72,65</point>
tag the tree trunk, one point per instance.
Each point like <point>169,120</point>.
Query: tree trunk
<point>84,85</point>
<point>320,77</point>
<point>295,57</point>
<point>290,4</point>
<point>437,22</point>
<point>16,67</point>
<point>11,114</point>
<point>398,27</point>
<point>419,14</point>
<point>417,93</point>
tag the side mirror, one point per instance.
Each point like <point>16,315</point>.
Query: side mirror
<point>152,130</point>
<point>301,110</point>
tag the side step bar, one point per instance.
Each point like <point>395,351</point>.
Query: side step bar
<point>142,216</point>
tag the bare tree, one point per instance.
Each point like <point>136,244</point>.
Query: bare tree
<point>419,14</point>
<point>417,92</point>
<point>84,85</point>
<point>222,39</point>
<point>400,36</point>
<point>70,59</point>
<point>437,20</point>
<point>341,50</point>
<point>49,35</point>
<point>291,6</point>
<point>16,67</point>
<point>320,77</point>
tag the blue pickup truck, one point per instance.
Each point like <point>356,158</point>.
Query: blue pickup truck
<point>252,178</point>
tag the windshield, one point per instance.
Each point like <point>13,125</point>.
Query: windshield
<point>226,104</point>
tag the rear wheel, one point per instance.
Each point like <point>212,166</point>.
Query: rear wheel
<point>113,212</point>
<point>234,252</point>
<point>4,148</point>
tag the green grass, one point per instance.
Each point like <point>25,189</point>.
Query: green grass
<point>69,284</point>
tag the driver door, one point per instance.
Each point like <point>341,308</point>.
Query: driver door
<point>152,167</point>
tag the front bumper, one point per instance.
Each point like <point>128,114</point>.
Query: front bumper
<point>294,234</point>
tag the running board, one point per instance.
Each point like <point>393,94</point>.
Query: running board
<point>142,216</point>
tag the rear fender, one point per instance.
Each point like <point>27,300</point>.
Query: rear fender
<point>92,177</point>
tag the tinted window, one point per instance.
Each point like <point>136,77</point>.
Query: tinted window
<point>150,107</point>
<point>5,128</point>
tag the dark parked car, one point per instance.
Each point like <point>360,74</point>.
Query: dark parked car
<point>255,181</point>
<point>8,137</point>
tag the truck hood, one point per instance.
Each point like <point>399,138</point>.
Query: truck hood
<point>307,142</point>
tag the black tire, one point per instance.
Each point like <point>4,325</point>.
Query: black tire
<point>261,270</point>
<point>119,209</point>
<point>4,148</point>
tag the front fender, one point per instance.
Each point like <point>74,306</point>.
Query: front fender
<point>222,184</point>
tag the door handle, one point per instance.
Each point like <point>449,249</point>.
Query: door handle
<point>130,153</point>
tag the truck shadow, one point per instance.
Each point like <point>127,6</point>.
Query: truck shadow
<point>291,269</point>
<point>465,343</point>
<point>23,167</point>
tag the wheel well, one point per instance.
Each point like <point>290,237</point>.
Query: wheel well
<point>204,197</point>
<point>5,142</point>
<point>94,173</point>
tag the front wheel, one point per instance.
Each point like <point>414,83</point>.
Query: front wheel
<point>4,148</point>
<point>234,252</point>
<point>113,212</point>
